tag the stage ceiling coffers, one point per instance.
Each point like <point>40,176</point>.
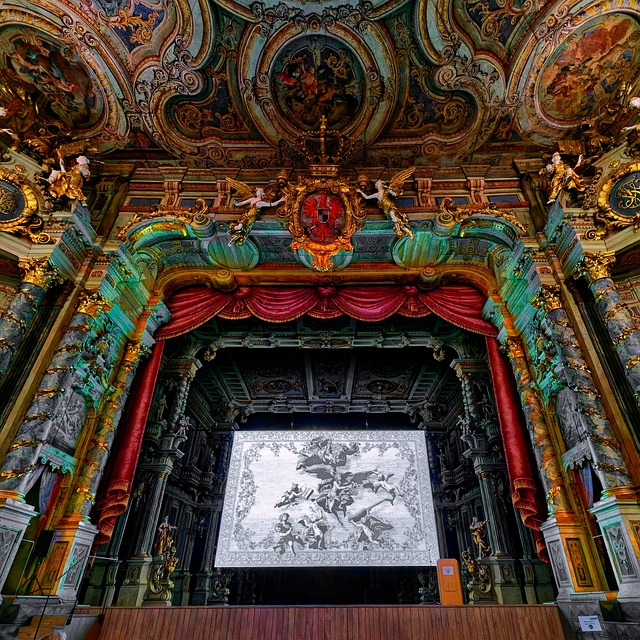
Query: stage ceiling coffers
<point>231,83</point>
<point>335,366</point>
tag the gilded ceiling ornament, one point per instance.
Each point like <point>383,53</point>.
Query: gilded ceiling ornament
<point>596,266</point>
<point>385,195</point>
<point>548,298</point>
<point>255,202</point>
<point>619,198</point>
<point>19,207</point>
<point>40,272</point>
<point>197,214</point>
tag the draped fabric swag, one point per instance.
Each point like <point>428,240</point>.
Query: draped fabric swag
<point>191,307</point>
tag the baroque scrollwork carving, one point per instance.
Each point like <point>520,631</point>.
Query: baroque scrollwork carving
<point>19,207</point>
<point>619,198</point>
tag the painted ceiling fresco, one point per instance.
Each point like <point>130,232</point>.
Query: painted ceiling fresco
<point>231,83</point>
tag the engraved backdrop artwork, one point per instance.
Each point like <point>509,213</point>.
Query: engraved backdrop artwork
<point>328,498</point>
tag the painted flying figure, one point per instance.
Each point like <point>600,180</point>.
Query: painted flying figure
<point>255,202</point>
<point>385,194</point>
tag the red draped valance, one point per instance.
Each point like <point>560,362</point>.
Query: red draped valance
<point>459,304</point>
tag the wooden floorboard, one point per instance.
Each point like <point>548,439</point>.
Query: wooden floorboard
<point>480,622</point>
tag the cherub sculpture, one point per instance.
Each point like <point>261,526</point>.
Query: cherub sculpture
<point>562,176</point>
<point>255,202</point>
<point>385,195</point>
<point>70,183</point>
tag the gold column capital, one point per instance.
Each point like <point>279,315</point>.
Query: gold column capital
<point>40,272</point>
<point>92,303</point>
<point>596,266</point>
<point>548,298</point>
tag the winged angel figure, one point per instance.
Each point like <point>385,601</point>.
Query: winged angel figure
<point>385,194</point>
<point>254,201</point>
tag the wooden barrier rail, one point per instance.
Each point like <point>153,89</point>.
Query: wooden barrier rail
<point>483,622</point>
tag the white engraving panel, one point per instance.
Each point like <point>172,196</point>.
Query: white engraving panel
<point>328,498</point>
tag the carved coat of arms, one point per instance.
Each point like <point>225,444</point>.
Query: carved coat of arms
<point>322,214</point>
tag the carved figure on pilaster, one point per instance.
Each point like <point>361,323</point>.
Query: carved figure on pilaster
<point>69,183</point>
<point>160,585</point>
<point>39,276</point>
<point>575,374</point>
<point>86,483</point>
<point>75,380</point>
<point>478,534</point>
<point>615,314</point>
<point>563,177</point>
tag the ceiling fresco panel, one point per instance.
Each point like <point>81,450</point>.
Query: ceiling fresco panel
<point>588,68</point>
<point>575,67</point>
<point>70,77</point>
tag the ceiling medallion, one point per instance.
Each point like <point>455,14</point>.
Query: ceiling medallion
<point>619,198</point>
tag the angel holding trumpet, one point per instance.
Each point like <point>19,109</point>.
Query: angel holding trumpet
<point>254,201</point>
<point>385,195</point>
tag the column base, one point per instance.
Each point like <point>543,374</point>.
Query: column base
<point>135,583</point>
<point>102,583</point>
<point>503,577</point>
<point>182,582</point>
<point>14,520</point>
<point>201,592</point>
<point>619,520</point>
<point>538,586</point>
<point>75,536</point>
<point>573,565</point>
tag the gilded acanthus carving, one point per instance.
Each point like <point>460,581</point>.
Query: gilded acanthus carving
<point>40,272</point>
<point>92,304</point>
<point>596,266</point>
<point>548,298</point>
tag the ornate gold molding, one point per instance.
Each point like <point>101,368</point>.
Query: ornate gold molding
<point>19,208</point>
<point>596,266</point>
<point>451,213</point>
<point>40,272</point>
<point>191,215</point>
<point>548,298</point>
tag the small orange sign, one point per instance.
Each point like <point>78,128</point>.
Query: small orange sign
<point>449,582</point>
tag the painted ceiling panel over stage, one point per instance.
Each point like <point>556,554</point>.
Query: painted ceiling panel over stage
<point>411,82</point>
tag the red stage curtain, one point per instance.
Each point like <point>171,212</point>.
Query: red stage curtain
<point>127,446</point>
<point>460,304</point>
<point>526,496</point>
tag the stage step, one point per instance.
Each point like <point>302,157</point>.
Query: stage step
<point>479,622</point>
